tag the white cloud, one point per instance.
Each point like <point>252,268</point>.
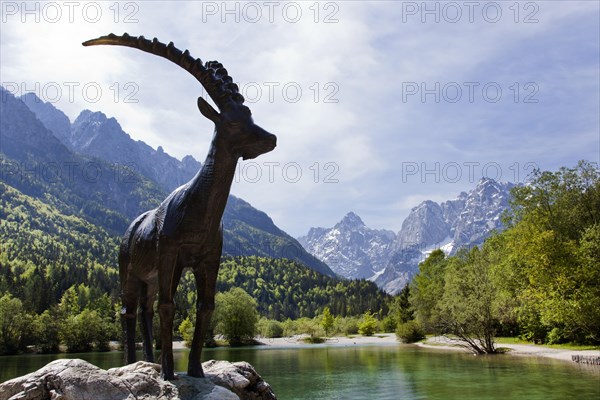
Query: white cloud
<point>364,61</point>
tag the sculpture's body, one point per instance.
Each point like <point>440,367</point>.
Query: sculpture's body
<point>185,230</point>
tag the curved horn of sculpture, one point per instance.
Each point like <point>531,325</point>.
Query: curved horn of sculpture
<point>218,84</point>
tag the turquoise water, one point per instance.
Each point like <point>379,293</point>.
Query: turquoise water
<point>381,372</point>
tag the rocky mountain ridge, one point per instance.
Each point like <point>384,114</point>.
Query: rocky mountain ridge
<point>353,250</point>
<point>350,248</point>
<point>94,134</point>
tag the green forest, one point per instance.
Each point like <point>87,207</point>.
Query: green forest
<point>539,279</point>
<point>59,280</point>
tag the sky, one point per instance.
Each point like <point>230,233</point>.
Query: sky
<point>377,105</point>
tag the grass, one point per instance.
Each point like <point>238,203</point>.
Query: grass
<point>563,346</point>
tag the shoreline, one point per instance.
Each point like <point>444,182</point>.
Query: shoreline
<point>519,350</point>
<point>435,343</point>
<point>297,342</point>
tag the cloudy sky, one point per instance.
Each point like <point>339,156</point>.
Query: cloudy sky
<point>377,105</point>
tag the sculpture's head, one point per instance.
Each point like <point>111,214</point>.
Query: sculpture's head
<point>234,128</point>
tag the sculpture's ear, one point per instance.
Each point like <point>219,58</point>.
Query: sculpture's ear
<point>207,110</point>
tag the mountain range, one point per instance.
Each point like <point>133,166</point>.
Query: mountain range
<point>93,169</point>
<point>353,250</point>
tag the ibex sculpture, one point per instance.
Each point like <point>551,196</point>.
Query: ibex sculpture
<point>185,231</point>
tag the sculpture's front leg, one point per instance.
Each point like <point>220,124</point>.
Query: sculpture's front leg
<point>168,276</point>
<point>205,305</point>
<point>206,284</point>
<point>166,311</point>
<point>148,295</point>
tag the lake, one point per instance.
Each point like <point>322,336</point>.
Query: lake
<point>380,372</point>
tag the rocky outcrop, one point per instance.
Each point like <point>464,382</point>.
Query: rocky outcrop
<point>79,380</point>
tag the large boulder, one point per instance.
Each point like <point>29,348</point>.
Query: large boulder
<point>80,380</point>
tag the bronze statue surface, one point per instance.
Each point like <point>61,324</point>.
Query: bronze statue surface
<point>185,230</point>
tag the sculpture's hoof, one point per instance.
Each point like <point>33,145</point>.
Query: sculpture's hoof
<point>196,373</point>
<point>169,377</point>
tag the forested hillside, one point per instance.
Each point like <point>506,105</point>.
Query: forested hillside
<point>59,279</point>
<point>285,289</point>
<point>44,252</point>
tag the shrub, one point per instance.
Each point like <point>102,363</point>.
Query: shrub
<point>236,316</point>
<point>368,325</point>
<point>556,336</point>
<point>11,317</point>
<point>289,327</point>
<point>85,331</point>
<point>347,325</point>
<point>186,329</point>
<point>389,324</point>
<point>308,326</point>
<point>270,328</point>
<point>410,332</point>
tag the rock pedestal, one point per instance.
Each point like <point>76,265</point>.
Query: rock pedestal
<point>79,380</point>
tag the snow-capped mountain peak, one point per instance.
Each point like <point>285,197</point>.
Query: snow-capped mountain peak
<point>350,248</point>
<point>355,251</point>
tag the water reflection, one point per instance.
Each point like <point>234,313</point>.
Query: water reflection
<point>380,372</point>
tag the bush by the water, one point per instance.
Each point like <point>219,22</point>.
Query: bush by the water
<point>368,326</point>
<point>269,328</point>
<point>410,332</point>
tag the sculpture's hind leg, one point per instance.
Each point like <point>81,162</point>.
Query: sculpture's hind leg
<point>148,294</point>
<point>129,297</point>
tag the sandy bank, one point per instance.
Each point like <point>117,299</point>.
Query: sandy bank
<point>529,350</point>
<point>342,341</point>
